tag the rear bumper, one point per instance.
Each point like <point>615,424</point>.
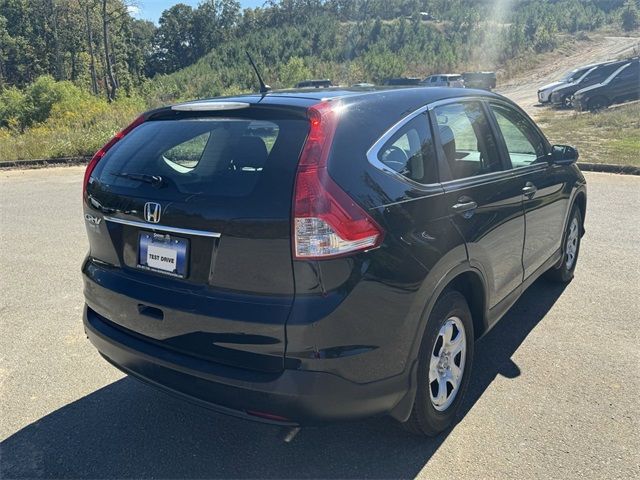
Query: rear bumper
<point>290,397</point>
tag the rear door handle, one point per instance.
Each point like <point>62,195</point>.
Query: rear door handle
<point>464,206</point>
<point>529,190</point>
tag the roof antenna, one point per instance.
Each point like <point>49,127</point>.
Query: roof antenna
<point>264,88</point>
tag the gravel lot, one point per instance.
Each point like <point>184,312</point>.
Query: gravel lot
<point>554,394</point>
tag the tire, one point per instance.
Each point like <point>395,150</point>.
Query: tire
<point>570,249</point>
<point>566,102</point>
<point>431,413</point>
<point>598,103</point>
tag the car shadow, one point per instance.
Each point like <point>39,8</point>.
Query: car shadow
<point>128,429</point>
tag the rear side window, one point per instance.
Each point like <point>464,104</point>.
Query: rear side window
<point>601,73</point>
<point>629,72</point>
<point>206,156</point>
<point>467,142</point>
<point>410,152</point>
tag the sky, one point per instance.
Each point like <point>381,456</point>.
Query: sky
<point>152,9</point>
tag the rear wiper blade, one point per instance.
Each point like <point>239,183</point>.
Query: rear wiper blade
<point>141,177</point>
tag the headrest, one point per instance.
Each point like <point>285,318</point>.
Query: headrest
<point>249,152</point>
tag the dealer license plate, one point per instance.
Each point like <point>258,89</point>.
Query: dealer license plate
<point>163,253</point>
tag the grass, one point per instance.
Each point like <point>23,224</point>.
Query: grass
<point>79,129</point>
<point>611,136</point>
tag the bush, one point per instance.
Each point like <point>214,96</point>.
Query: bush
<point>293,72</point>
<point>19,110</point>
<point>76,126</point>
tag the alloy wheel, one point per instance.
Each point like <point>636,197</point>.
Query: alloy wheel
<point>446,364</point>
<point>572,243</point>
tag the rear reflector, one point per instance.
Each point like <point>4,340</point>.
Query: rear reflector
<point>209,106</point>
<point>327,222</point>
<point>102,152</point>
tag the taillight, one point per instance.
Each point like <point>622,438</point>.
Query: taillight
<point>102,152</point>
<point>326,221</point>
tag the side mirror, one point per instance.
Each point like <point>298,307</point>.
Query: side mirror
<point>564,155</point>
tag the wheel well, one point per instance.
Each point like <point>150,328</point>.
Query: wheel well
<point>470,285</point>
<point>581,203</point>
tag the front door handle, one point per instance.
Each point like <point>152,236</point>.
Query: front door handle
<point>464,207</point>
<point>529,190</point>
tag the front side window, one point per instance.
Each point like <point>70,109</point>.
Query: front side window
<point>523,142</point>
<point>467,142</point>
<point>410,152</point>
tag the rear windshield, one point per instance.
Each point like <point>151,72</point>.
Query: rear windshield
<point>206,156</point>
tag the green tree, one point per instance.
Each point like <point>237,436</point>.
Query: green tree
<point>174,39</point>
<point>293,72</point>
<point>630,15</point>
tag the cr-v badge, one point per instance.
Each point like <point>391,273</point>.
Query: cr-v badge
<point>152,212</point>
<point>92,220</point>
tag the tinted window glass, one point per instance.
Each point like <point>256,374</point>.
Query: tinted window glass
<point>187,154</point>
<point>206,156</point>
<point>523,142</point>
<point>630,72</point>
<point>468,145</point>
<point>574,75</point>
<point>410,151</point>
<point>601,73</point>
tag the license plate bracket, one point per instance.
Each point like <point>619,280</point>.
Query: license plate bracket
<point>165,254</point>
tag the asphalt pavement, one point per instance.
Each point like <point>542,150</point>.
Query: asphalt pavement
<point>554,392</point>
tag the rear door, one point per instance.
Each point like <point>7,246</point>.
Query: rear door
<point>195,247</point>
<point>625,85</point>
<point>483,198</point>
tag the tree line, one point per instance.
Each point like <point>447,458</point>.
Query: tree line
<point>100,47</point>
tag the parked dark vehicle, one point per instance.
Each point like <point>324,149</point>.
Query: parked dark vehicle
<point>561,96</point>
<point>544,92</point>
<point>481,80</point>
<point>303,257</point>
<point>402,82</point>
<point>325,83</point>
<point>622,85</point>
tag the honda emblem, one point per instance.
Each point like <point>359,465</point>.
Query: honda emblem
<point>152,212</point>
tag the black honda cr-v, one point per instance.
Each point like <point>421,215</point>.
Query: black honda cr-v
<point>299,257</point>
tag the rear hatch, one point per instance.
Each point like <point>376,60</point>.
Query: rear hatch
<point>188,218</point>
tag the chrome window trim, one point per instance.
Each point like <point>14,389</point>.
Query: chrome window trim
<point>163,228</point>
<point>374,150</point>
